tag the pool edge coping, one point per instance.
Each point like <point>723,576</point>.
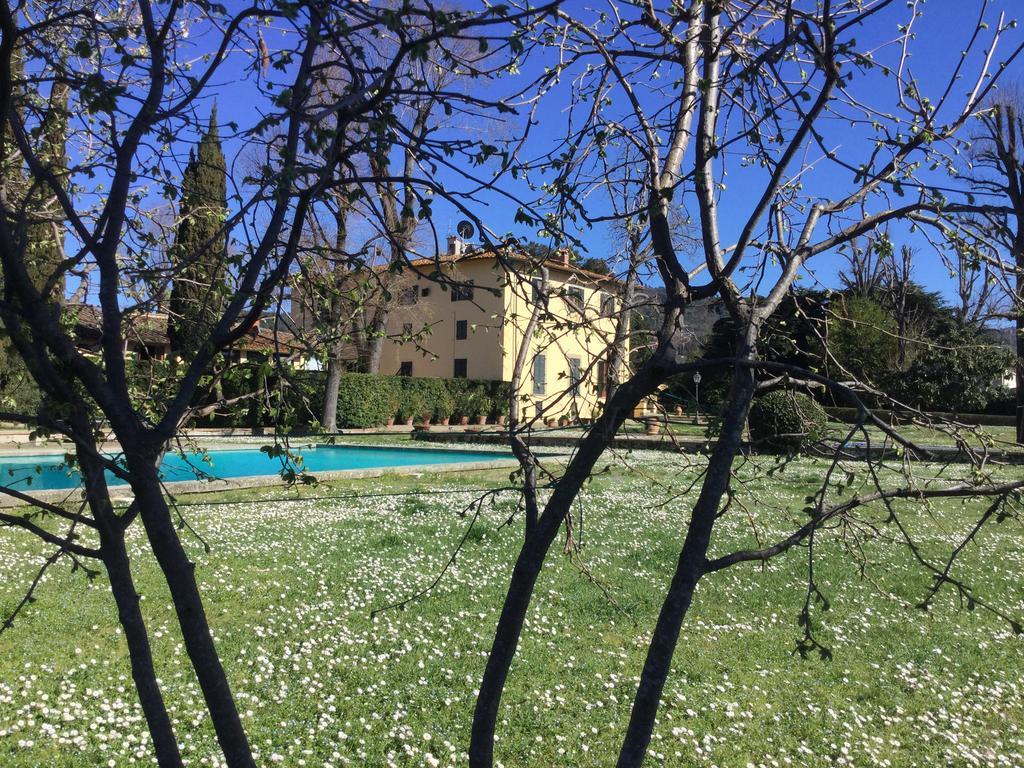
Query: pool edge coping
<point>121,492</point>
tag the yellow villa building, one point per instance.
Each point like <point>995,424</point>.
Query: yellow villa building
<point>474,328</point>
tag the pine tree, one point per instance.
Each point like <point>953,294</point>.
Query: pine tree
<point>200,246</point>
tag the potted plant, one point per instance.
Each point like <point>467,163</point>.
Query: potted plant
<point>444,407</point>
<point>653,426</point>
<point>394,400</point>
<point>465,398</point>
<point>500,410</point>
<point>409,407</point>
<point>481,406</point>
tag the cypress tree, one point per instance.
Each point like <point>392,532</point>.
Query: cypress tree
<point>44,234</point>
<point>45,247</point>
<point>200,246</point>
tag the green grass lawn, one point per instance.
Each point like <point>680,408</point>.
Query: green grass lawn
<point>993,437</point>
<point>290,587</point>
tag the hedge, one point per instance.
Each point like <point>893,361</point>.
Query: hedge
<point>294,402</point>
<point>369,400</point>
<point>365,400</point>
<point>849,416</point>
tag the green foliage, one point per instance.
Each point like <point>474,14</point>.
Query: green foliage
<point>789,336</point>
<point>863,338</point>
<point>200,246</point>
<point>18,390</point>
<point>411,402</point>
<point>471,397</point>
<point>44,251</point>
<point>290,402</point>
<point>439,397</point>
<point>959,371</point>
<point>366,400</point>
<point>786,421</point>
<point>594,264</point>
<point>500,396</point>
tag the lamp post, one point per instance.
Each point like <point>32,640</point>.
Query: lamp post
<point>696,386</point>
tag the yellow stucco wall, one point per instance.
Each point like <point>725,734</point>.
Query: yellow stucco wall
<point>433,354</point>
<point>496,319</point>
<point>568,332</point>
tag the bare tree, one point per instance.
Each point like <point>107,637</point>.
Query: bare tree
<point>998,164</point>
<point>137,77</point>
<point>707,87</point>
<point>898,284</point>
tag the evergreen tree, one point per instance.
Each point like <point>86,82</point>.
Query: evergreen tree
<point>45,247</point>
<point>200,246</point>
<point>43,237</point>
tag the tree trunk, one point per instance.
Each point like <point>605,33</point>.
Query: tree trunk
<point>689,570</point>
<point>140,654</point>
<point>506,640</point>
<point>179,573</point>
<point>533,552</point>
<point>617,361</point>
<point>375,342</point>
<point>122,586</point>
<point>1020,366</point>
<point>329,419</point>
<point>1019,260</point>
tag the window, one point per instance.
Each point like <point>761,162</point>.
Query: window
<point>463,291</point>
<point>461,329</point>
<point>575,374</point>
<point>425,291</point>
<point>602,378</point>
<point>539,374</point>
<point>408,296</point>
<point>405,369</point>
<point>574,297</point>
<point>460,368</point>
<point>407,329</point>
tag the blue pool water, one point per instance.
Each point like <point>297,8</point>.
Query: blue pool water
<point>50,473</point>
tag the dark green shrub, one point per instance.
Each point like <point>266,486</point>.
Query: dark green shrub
<point>366,400</point>
<point>462,392</point>
<point>499,393</point>
<point>481,403</point>
<point>786,421</point>
<point>433,394</point>
<point>411,402</point>
<point>444,401</point>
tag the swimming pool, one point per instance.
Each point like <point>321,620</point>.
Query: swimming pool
<point>48,472</point>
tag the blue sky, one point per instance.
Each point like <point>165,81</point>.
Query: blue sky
<point>941,33</point>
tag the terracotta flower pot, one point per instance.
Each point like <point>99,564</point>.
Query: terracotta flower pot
<point>463,420</point>
<point>501,420</point>
<point>409,421</point>
<point>481,420</point>
<point>653,427</point>
<point>444,422</point>
<point>391,421</point>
